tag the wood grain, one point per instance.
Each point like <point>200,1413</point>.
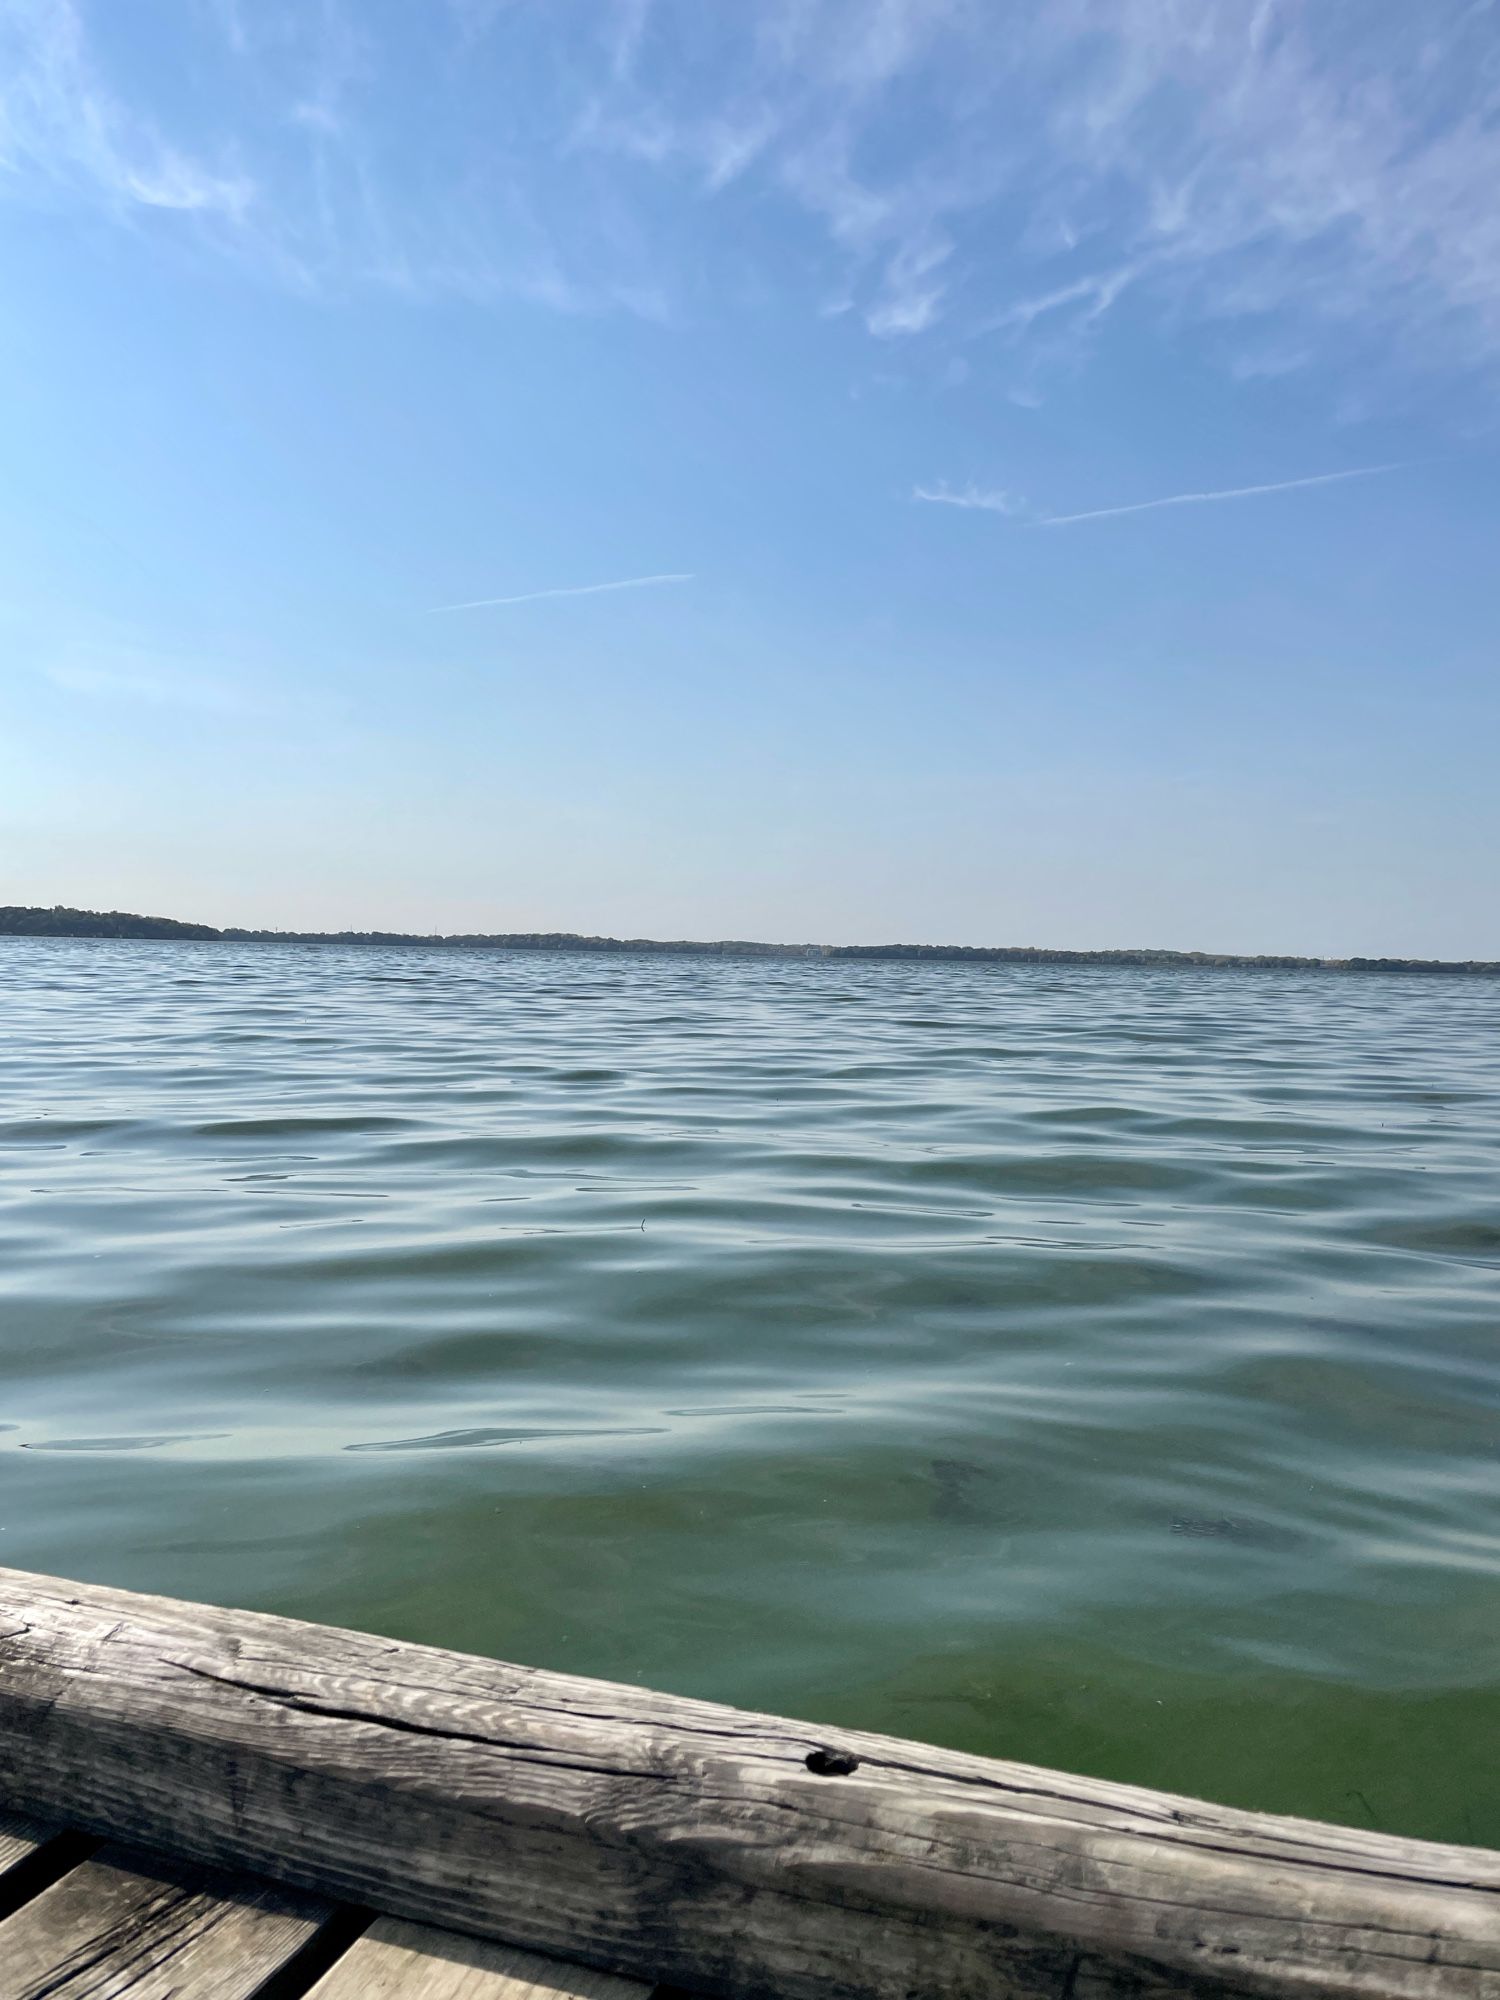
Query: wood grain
<point>119,1924</point>
<point>664,1838</point>
<point>19,1840</point>
<point>400,1961</point>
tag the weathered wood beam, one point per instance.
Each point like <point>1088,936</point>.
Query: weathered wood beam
<point>661,1838</point>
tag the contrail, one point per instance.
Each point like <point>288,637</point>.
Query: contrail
<point>570,590</point>
<point>1229,493</point>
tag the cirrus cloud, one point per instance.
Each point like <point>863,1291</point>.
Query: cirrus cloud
<point>1299,179</point>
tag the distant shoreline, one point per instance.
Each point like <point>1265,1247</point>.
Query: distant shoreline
<point>22,921</point>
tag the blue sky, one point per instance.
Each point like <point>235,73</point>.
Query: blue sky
<point>1048,448</point>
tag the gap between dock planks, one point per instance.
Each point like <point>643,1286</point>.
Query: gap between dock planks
<point>659,1838</point>
<point>123,1926</point>
<point>119,1924</point>
<point>19,1840</point>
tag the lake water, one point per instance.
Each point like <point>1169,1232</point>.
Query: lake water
<point>1096,1367</point>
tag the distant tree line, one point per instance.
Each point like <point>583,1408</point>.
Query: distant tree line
<point>19,921</point>
<point>16,921</point>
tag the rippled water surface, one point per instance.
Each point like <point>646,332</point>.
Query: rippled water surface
<point>1095,1367</point>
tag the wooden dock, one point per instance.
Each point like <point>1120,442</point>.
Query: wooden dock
<point>89,1921</point>
<point>220,1805</point>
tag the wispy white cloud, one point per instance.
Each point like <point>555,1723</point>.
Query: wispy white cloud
<point>1247,159</point>
<point>1299,175</point>
<point>61,124</point>
<point>1094,295</point>
<point>125,671</point>
<point>146,683</point>
<point>911,295</point>
<point>475,18</point>
<point>992,500</point>
<point>569,590</point>
<point>143,676</point>
<point>1207,499</point>
<point>1269,363</point>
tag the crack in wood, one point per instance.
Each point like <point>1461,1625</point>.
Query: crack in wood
<point>526,1753</point>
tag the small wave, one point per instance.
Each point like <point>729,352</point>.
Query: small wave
<point>56,1131</point>
<point>295,1125</point>
<point>134,1442</point>
<point>484,1437</point>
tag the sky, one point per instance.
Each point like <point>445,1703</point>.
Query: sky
<point>841,470</point>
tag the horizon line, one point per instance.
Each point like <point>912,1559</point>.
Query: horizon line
<point>171,929</point>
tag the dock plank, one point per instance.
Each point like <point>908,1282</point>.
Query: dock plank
<point>122,1923</point>
<point>400,1961</point>
<point>19,1840</point>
